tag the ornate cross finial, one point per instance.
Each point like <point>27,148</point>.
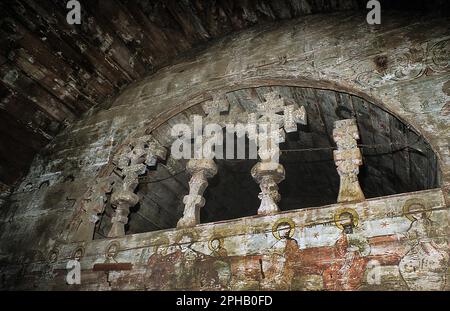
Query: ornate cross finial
<point>269,111</point>
<point>271,120</point>
<point>348,159</point>
<point>133,161</point>
<point>213,108</point>
<point>204,166</point>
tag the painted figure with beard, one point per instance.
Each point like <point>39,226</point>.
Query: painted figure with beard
<point>185,261</point>
<point>350,255</point>
<point>215,270</point>
<point>174,267</point>
<point>160,267</point>
<point>275,267</point>
<point>180,266</point>
<point>341,266</point>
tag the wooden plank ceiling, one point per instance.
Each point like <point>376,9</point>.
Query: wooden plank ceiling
<point>51,73</point>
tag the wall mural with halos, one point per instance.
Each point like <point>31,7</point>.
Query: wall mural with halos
<point>350,246</point>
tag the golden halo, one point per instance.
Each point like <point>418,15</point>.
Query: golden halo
<point>215,238</point>
<point>160,241</point>
<point>193,235</point>
<point>337,217</point>
<point>53,256</point>
<point>411,202</point>
<point>78,253</point>
<point>277,224</point>
<point>112,249</point>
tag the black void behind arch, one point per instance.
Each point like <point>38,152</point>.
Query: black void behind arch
<point>396,158</point>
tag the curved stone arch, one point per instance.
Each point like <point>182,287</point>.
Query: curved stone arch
<point>103,177</point>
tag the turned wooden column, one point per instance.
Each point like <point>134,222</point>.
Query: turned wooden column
<point>200,170</point>
<point>271,120</point>
<point>268,175</point>
<point>123,199</point>
<point>143,152</point>
<point>348,159</point>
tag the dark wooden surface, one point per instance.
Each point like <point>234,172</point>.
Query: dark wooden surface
<point>51,72</point>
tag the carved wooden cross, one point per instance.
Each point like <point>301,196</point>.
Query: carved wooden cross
<point>348,159</point>
<point>133,161</point>
<point>269,111</point>
<point>271,119</point>
<point>213,108</point>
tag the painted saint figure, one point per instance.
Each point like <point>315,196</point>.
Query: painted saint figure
<point>424,267</point>
<point>215,273</point>
<point>277,263</point>
<point>160,268</point>
<point>338,267</point>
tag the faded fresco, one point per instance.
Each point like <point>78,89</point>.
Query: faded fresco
<point>285,266</point>
<point>349,247</point>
